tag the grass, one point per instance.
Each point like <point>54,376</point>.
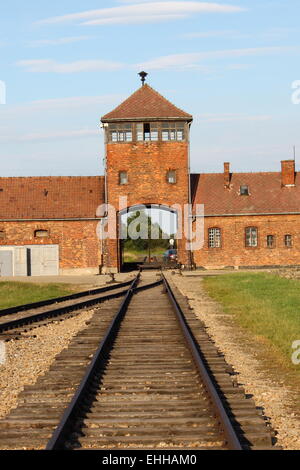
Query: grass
<point>132,256</point>
<point>265,305</point>
<point>18,293</point>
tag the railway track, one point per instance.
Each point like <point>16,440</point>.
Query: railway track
<point>155,381</point>
<point>16,320</point>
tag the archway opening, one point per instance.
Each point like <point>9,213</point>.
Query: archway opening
<point>147,235</point>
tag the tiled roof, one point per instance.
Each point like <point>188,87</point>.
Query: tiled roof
<point>266,194</point>
<point>55,197</point>
<point>146,103</point>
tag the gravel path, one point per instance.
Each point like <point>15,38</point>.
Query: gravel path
<point>276,399</point>
<point>30,357</point>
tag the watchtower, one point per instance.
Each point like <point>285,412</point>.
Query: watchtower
<point>147,158</point>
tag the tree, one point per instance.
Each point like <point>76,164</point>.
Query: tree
<point>139,231</point>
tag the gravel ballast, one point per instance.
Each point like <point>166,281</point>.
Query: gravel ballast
<point>32,355</point>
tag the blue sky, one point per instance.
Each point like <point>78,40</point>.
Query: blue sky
<point>229,63</point>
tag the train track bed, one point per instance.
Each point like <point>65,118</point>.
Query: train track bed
<point>140,389</point>
<point>32,354</point>
<point>30,424</point>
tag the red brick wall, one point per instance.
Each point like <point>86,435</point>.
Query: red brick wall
<point>147,164</point>
<point>77,240</point>
<point>233,251</point>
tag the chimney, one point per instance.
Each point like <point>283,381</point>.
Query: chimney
<point>288,173</point>
<point>226,174</point>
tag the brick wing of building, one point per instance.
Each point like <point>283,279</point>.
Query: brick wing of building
<point>51,225</point>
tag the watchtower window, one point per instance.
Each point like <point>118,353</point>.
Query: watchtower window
<point>120,132</point>
<point>172,131</point>
<point>123,177</point>
<point>147,131</point>
<point>171,176</point>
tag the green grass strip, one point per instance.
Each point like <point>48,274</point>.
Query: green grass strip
<point>18,293</point>
<point>265,304</point>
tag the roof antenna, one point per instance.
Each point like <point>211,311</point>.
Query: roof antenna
<point>294,153</point>
<point>143,76</point>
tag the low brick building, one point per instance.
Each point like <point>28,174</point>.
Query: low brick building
<point>48,225</point>
<point>51,225</point>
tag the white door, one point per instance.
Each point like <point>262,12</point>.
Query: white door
<point>20,261</point>
<point>6,263</point>
<point>44,260</point>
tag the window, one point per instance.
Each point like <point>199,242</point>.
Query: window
<point>147,131</point>
<point>2,234</point>
<point>120,132</point>
<point>244,190</point>
<point>172,131</point>
<point>171,176</point>
<point>41,233</point>
<point>288,240</point>
<point>270,241</point>
<point>123,177</point>
<point>251,236</point>
<point>214,238</point>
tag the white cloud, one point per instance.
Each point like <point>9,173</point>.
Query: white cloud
<point>134,19</point>
<point>193,60</point>
<point>51,66</point>
<point>157,10</point>
<point>189,60</point>
<point>73,105</point>
<point>58,42</point>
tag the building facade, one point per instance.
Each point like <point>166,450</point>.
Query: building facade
<point>55,225</point>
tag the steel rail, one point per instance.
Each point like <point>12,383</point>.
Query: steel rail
<point>77,295</point>
<point>19,322</point>
<point>59,436</point>
<point>226,425</point>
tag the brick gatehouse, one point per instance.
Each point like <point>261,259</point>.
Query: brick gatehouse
<point>51,225</point>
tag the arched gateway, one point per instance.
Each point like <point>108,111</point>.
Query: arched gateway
<point>147,162</point>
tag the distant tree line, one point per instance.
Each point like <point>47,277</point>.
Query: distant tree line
<point>139,231</point>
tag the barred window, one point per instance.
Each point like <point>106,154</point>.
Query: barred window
<point>288,240</point>
<point>147,131</point>
<point>171,176</point>
<point>120,132</point>
<point>251,236</point>
<point>214,238</point>
<point>123,177</point>
<point>270,241</point>
<point>41,233</point>
<point>172,131</point>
